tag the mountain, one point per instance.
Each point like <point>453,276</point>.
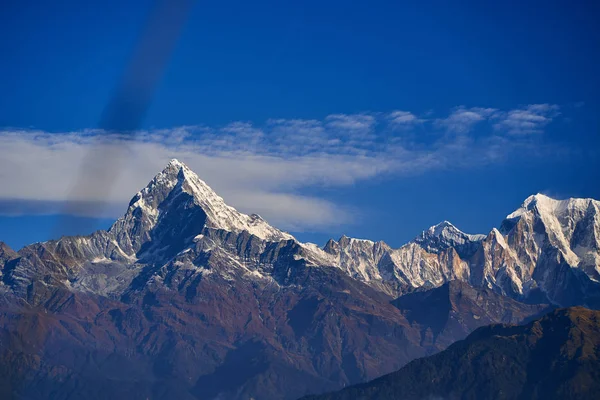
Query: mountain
<point>186,297</point>
<point>553,248</point>
<point>555,357</point>
<point>444,236</point>
<point>452,311</point>
<point>6,254</point>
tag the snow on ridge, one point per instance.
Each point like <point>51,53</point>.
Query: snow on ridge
<point>549,205</point>
<point>224,216</point>
<point>559,217</point>
<point>219,214</point>
<point>367,260</point>
<point>443,235</point>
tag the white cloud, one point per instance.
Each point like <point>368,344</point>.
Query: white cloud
<point>462,120</point>
<point>41,168</point>
<point>527,120</point>
<point>404,119</point>
<point>264,169</point>
<point>352,126</point>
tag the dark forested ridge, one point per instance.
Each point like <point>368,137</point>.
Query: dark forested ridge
<point>554,357</point>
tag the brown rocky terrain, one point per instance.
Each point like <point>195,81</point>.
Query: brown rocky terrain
<point>205,338</point>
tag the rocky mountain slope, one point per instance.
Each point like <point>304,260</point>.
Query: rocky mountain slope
<point>455,309</point>
<point>555,357</point>
<point>188,292</point>
<point>546,251</point>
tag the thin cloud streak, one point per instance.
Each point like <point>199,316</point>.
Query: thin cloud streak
<point>404,119</point>
<point>462,120</point>
<point>527,120</point>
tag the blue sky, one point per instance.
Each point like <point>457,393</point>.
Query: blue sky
<point>374,119</point>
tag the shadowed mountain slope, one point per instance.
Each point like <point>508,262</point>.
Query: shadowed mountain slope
<point>555,357</point>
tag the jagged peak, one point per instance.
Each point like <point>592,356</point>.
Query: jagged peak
<point>445,235</point>
<point>173,162</point>
<point>6,249</point>
<point>173,170</point>
<point>446,230</point>
<point>537,197</point>
<point>331,242</point>
<point>331,247</point>
<point>495,234</point>
<point>540,201</point>
<point>439,228</point>
<point>345,241</point>
<point>178,177</point>
<point>546,205</point>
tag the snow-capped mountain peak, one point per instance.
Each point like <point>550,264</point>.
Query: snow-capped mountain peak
<point>177,199</point>
<point>221,215</point>
<point>545,205</point>
<point>444,235</point>
<point>442,227</point>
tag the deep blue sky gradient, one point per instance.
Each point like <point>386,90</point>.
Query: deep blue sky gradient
<point>257,60</point>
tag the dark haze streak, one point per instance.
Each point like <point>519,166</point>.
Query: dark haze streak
<point>128,106</point>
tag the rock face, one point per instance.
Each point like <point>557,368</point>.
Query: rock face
<point>186,297</point>
<point>555,357</point>
<point>552,247</point>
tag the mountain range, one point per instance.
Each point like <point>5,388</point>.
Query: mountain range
<point>185,297</point>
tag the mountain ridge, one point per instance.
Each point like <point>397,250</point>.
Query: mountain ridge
<point>538,246</point>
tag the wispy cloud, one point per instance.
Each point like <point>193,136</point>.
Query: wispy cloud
<point>404,119</point>
<point>462,120</point>
<point>351,122</point>
<point>527,120</point>
<point>263,168</point>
